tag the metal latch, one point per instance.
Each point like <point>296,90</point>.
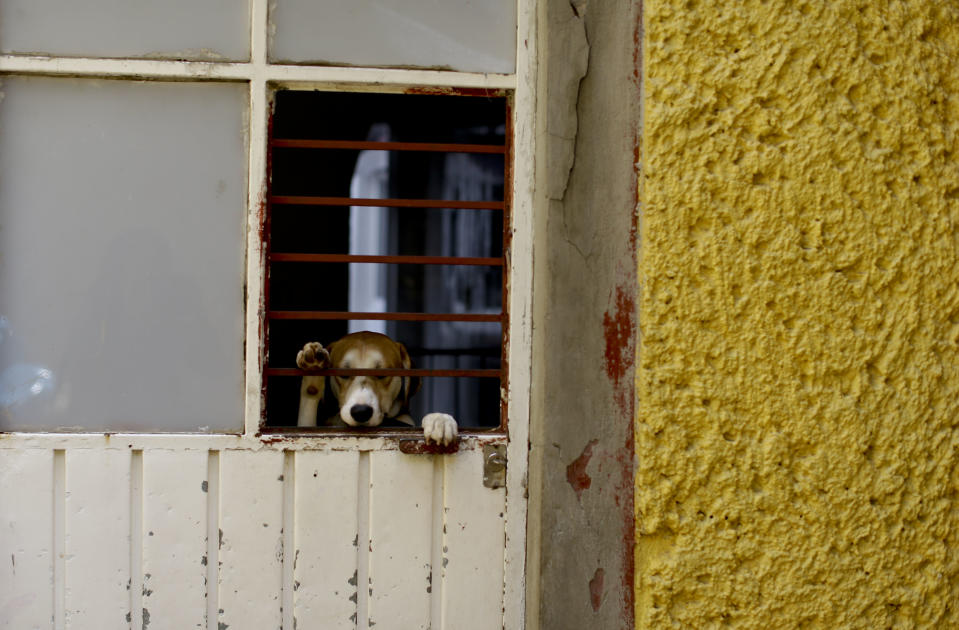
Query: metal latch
<point>494,465</point>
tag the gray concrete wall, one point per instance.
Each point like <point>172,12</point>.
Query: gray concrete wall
<point>585,330</point>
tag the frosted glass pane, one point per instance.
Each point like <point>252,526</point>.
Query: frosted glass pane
<point>122,210</point>
<point>172,29</point>
<point>465,35</point>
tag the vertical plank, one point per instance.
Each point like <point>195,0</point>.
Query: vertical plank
<point>529,176</point>
<point>325,533</point>
<point>174,539</point>
<point>212,539</point>
<point>26,539</point>
<point>97,545</point>
<point>251,539</point>
<point>135,585</point>
<point>287,590</point>
<point>474,538</point>
<point>401,489</point>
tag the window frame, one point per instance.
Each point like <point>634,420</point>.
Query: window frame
<point>263,79</point>
<point>269,314</point>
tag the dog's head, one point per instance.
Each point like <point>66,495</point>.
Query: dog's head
<point>367,400</point>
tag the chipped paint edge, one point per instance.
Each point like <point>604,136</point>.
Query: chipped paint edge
<point>246,71</point>
<point>522,270</point>
<point>219,442</point>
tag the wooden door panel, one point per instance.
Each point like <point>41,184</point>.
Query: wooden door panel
<point>251,539</point>
<point>324,538</point>
<point>174,535</point>
<point>97,539</point>
<point>474,537</point>
<point>26,538</point>
<point>325,574</point>
<point>400,539</point>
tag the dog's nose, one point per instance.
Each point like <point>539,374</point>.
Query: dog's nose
<point>361,413</point>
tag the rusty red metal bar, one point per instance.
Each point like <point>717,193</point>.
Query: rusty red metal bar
<point>417,446</point>
<point>422,372</point>
<point>365,145</point>
<point>404,317</point>
<point>458,91</point>
<point>398,260</point>
<point>291,200</point>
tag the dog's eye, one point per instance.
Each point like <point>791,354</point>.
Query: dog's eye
<point>382,377</point>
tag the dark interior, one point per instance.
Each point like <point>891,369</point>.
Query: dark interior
<point>292,286</point>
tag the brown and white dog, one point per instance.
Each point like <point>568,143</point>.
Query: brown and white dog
<point>365,401</point>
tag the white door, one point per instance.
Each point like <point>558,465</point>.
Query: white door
<point>136,487</point>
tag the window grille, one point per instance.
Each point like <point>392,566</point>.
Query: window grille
<point>390,212</point>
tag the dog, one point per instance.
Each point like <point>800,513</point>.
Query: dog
<point>365,401</point>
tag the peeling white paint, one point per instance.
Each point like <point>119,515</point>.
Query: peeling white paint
<point>586,268</point>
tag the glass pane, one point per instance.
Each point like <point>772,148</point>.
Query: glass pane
<point>122,210</point>
<point>174,29</point>
<point>465,35</point>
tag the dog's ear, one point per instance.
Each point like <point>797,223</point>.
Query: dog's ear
<point>329,348</point>
<point>331,384</point>
<point>411,384</point>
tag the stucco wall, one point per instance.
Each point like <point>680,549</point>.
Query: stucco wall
<point>798,389</point>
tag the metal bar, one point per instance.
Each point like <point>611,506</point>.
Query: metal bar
<point>397,260</point>
<point>454,373</point>
<point>488,352</point>
<point>405,317</point>
<point>419,446</point>
<point>363,145</point>
<point>290,200</point>
<point>365,439</point>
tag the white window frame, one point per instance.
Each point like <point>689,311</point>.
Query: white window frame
<point>263,79</point>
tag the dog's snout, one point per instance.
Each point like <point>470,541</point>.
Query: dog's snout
<point>361,413</point>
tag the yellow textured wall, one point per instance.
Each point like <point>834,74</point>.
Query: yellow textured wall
<point>799,366</point>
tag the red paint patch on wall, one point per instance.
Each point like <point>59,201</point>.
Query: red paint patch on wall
<point>576,471</point>
<point>596,589</point>
<point>619,327</point>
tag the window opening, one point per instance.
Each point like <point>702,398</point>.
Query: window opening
<point>388,213</point>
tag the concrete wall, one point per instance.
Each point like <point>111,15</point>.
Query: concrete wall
<point>581,486</point>
<point>798,387</point>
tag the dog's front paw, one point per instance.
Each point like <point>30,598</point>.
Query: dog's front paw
<point>440,428</point>
<point>313,356</point>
